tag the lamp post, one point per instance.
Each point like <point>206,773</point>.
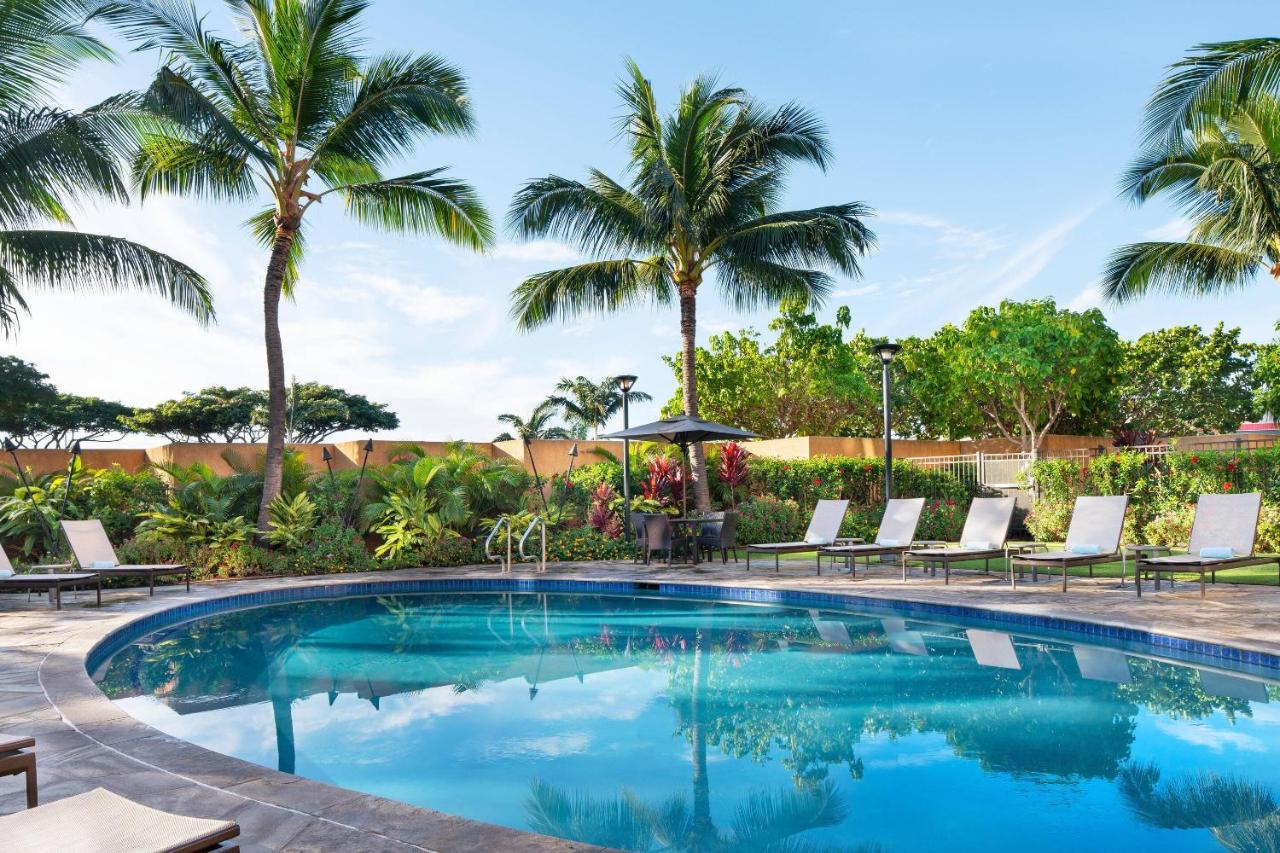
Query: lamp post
<point>328,463</point>
<point>568,481</point>
<point>71,470</point>
<point>352,505</point>
<point>625,383</point>
<point>887,351</point>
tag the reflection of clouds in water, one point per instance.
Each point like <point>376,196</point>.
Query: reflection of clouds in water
<point>1215,739</point>
<point>914,759</point>
<point>246,731</point>
<point>549,746</point>
<point>883,751</point>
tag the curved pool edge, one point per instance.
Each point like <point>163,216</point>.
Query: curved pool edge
<point>65,677</point>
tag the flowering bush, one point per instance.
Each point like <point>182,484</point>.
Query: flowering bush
<point>858,480</point>
<point>766,519</point>
<point>732,469</point>
<point>584,543</point>
<point>602,517</point>
<point>943,520</point>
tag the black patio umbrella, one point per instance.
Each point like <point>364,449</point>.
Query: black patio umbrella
<point>682,431</point>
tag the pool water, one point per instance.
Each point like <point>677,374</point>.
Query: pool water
<point>668,724</point>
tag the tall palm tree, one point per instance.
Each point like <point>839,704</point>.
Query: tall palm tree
<point>589,405</point>
<point>297,100</point>
<point>1223,175</point>
<point>1210,146</point>
<point>701,199</point>
<point>50,155</point>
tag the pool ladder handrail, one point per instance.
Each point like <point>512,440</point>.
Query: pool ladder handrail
<point>540,522</point>
<point>498,558</point>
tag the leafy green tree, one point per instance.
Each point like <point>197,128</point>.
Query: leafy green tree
<point>537,426</point>
<point>588,405</point>
<point>1181,381</point>
<point>50,156</point>
<point>69,418</point>
<point>701,199</point>
<point>809,381</point>
<point>22,386</point>
<point>317,411</point>
<point>211,415</point>
<point>1266,375</point>
<point>296,101</point>
<point>1211,149</point>
<point>1018,369</point>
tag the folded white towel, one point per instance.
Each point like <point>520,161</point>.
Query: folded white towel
<point>1218,552</point>
<point>103,564</point>
<point>1088,550</point>
<point>889,543</point>
<point>977,545</point>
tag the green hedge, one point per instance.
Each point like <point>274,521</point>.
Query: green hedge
<point>860,480</point>
<point>1162,490</point>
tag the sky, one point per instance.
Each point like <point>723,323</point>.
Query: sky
<point>988,137</point>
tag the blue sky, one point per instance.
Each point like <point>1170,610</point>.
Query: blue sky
<point>987,136</point>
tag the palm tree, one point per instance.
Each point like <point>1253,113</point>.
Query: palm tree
<point>1223,175</point>
<point>297,101</point>
<point>49,155</point>
<point>589,405</point>
<point>702,196</point>
<point>530,429</point>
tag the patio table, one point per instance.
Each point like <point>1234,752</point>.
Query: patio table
<point>1138,552</point>
<point>687,529</point>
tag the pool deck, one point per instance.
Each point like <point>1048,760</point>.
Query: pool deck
<point>84,741</point>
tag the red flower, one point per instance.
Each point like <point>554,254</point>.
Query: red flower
<point>1084,469</point>
<point>786,467</point>
<point>868,467</point>
<point>1231,466</point>
<point>1226,487</point>
<point>950,502</point>
<point>1195,459</point>
<point>817,481</point>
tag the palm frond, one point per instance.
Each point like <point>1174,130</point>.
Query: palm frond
<point>422,203</point>
<point>1186,269</point>
<point>75,262</point>
<point>597,286</point>
<point>41,42</point>
<point>1215,80</point>
<point>598,217</point>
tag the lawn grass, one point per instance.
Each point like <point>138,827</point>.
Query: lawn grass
<point>1258,575</point>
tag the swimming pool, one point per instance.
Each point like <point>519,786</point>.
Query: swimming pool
<point>651,723</point>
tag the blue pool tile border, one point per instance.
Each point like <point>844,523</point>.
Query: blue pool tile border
<point>1180,648</point>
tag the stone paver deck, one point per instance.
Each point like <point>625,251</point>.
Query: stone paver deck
<point>84,741</point>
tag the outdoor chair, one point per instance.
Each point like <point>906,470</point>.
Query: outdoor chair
<point>824,527</point>
<point>986,529</point>
<point>719,534</point>
<point>1093,537</point>
<point>658,536</point>
<point>99,821</point>
<point>640,527</point>
<point>54,584</point>
<point>895,536</point>
<point>1222,537</point>
<point>15,760</point>
<point>93,551</point>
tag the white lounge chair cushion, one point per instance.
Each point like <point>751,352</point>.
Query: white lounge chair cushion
<point>1218,552</point>
<point>811,539</point>
<point>1087,550</point>
<point>103,564</point>
<point>7,573</point>
<point>889,543</point>
<point>976,546</point>
<point>99,821</point>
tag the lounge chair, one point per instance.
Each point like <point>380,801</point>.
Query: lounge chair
<point>1093,537</point>
<point>824,528</point>
<point>895,537</point>
<point>986,529</point>
<point>15,760</point>
<point>93,551</point>
<point>99,821</point>
<point>54,584</point>
<point>1222,537</point>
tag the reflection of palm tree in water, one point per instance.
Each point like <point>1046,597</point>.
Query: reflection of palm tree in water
<point>1242,816</point>
<point>766,821</point>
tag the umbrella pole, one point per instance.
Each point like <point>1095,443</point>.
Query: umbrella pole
<point>684,480</point>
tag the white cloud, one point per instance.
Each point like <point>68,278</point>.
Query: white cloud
<point>1174,231</point>
<point>955,241</point>
<point>425,305</point>
<point>1090,297</point>
<point>543,251</point>
<point>864,290</point>
<point>1213,739</point>
<point>1032,257</point>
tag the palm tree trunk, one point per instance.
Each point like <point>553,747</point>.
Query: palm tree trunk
<point>273,473</point>
<point>688,356</point>
<point>703,830</point>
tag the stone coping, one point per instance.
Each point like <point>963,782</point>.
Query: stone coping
<point>327,817</point>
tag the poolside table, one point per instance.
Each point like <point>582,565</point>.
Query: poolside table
<point>687,529</point>
<point>1138,552</point>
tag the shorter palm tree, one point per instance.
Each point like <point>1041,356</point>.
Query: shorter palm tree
<point>589,405</point>
<point>527,430</point>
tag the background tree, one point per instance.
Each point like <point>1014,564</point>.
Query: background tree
<point>317,411</point>
<point>1212,139</point>
<point>50,156</point>
<point>22,386</point>
<point>588,405</point>
<point>69,418</point>
<point>809,381</point>
<point>297,101</point>
<point>701,196</point>
<point>1017,370</point>
<point>1266,375</point>
<point>1181,381</point>
<point>537,426</point>
<point>211,415</point>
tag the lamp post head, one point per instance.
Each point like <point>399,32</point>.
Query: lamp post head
<point>326,455</point>
<point>625,382</point>
<point>886,351</point>
<point>9,446</point>
<point>368,447</point>
<point>75,448</point>
<point>573,451</point>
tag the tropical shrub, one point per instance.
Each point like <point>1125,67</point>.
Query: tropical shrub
<point>118,498</point>
<point>942,520</point>
<point>584,543</point>
<point>766,519</point>
<point>292,521</point>
<point>731,468</point>
<point>1048,519</point>
<point>859,480</point>
<point>603,517</point>
<point>326,548</point>
<point>1171,527</point>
